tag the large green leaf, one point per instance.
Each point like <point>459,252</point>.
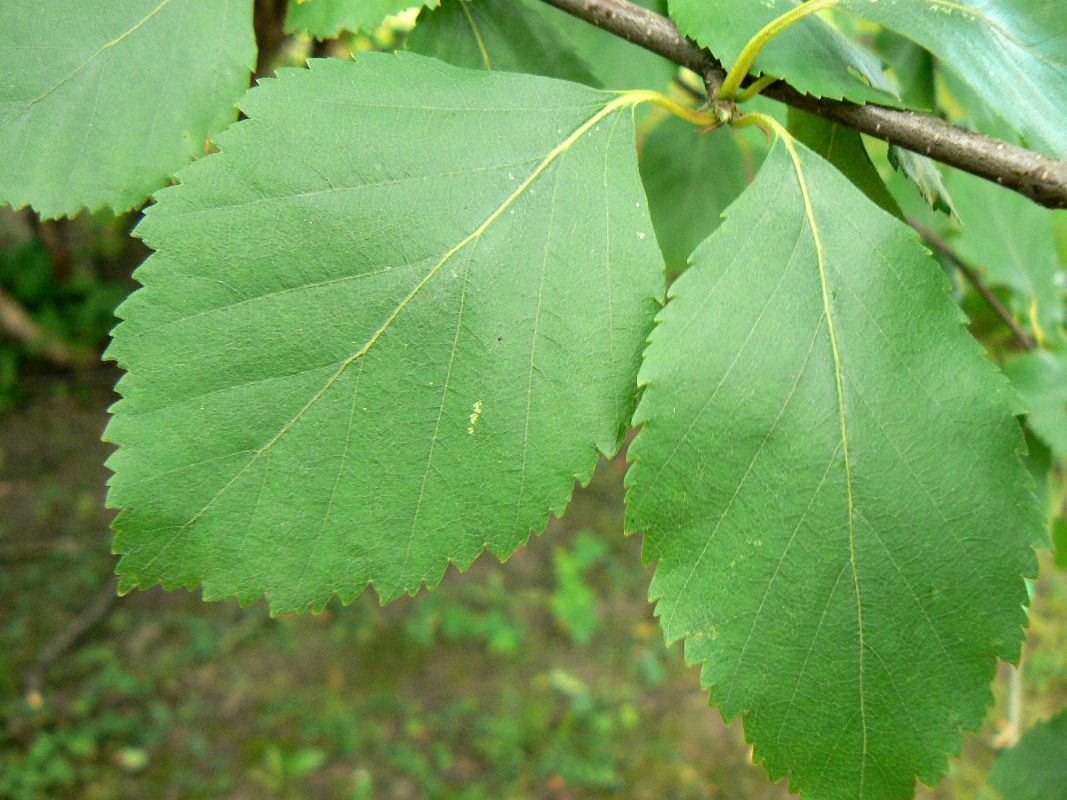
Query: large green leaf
<point>325,19</point>
<point>102,102</point>
<point>828,481</point>
<point>1035,768</point>
<point>511,37</point>
<point>811,55</point>
<point>1041,379</point>
<point>1013,242</point>
<point>387,327</point>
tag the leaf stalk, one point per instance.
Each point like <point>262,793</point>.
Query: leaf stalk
<point>732,85</point>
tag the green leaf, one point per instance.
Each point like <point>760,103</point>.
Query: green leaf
<point>1012,241</point>
<point>1036,767</point>
<point>1040,462</point>
<point>925,174</point>
<point>617,63</point>
<point>102,103</point>
<point>531,36</point>
<point>1041,379</point>
<point>511,37</point>
<point>912,66</point>
<point>828,478</point>
<point>811,55</point>
<point>387,327</point>
<point>1013,53</point>
<point>325,19</point>
<point>690,179</point>
<point>843,147</point>
<point>1059,541</point>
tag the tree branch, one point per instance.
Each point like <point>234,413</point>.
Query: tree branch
<point>1039,177</point>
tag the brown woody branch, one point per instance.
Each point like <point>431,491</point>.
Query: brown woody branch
<point>1039,177</point>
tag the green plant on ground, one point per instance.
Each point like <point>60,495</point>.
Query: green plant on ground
<point>411,299</point>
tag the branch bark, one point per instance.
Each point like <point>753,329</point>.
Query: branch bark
<point>1039,177</point>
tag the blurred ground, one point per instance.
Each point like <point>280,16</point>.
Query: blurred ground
<point>543,678</point>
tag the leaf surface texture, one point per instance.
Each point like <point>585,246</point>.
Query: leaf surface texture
<point>387,327</point>
<point>532,36</point>
<point>828,482</point>
<point>102,102</point>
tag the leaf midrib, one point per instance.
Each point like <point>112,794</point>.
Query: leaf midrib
<point>809,213</point>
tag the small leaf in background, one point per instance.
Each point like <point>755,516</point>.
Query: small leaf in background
<point>386,328</point>
<point>925,173</point>
<point>509,37</point>
<point>617,63</point>
<point>103,103</point>
<point>811,55</point>
<point>839,550</point>
<point>690,179</point>
<point>325,19</point>
<point>1011,241</point>
<point>1036,767</point>
<point>911,66</point>
<point>1041,379</point>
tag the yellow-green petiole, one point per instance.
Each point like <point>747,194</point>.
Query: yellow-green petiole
<point>755,88</point>
<point>720,113</point>
<point>706,118</point>
<point>732,85</point>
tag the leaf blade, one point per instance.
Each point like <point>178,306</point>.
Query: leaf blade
<point>792,542</point>
<point>1034,769</point>
<point>105,124</point>
<point>383,410</point>
<point>512,38</point>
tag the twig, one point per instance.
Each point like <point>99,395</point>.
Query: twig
<point>971,274</point>
<point>17,322</point>
<point>65,638</point>
<point>1039,177</point>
